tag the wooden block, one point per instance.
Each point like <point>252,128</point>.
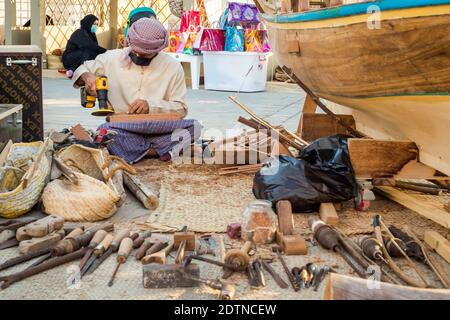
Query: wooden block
<point>43,227</point>
<point>161,116</point>
<point>438,243</point>
<point>314,125</point>
<point>292,244</point>
<point>188,236</point>
<point>285,217</point>
<point>36,244</point>
<point>373,158</point>
<point>169,275</point>
<point>328,214</point>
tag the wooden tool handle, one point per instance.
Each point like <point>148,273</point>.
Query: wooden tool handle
<point>126,245</point>
<point>156,247</point>
<point>120,236</point>
<point>104,245</point>
<point>98,237</point>
<point>74,233</point>
<point>140,240</point>
<point>247,246</point>
<point>143,249</point>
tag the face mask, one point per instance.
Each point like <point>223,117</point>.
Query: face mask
<point>94,28</point>
<point>140,61</point>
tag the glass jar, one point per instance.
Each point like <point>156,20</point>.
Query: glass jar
<point>260,219</point>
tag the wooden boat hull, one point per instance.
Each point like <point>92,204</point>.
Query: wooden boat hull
<point>395,78</point>
<point>341,287</point>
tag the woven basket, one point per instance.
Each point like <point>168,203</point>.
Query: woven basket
<point>176,7</point>
<point>23,188</point>
<point>96,196</point>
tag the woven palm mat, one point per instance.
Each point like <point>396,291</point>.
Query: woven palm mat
<point>196,195</point>
<point>353,222</point>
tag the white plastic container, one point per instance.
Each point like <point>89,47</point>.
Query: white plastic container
<point>235,71</point>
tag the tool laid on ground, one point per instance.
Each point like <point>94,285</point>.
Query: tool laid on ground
<point>259,272</point>
<point>36,244</point>
<point>96,239</point>
<point>169,275</point>
<point>40,228</point>
<point>160,256</point>
<point>187,260</point>
<point>291,278</point>
<point>126,245</point>
<point>98,251</point>
<point>9,243</point>
<point>140,253</point>
<point>281,283</point>
<point>227,290</point>
<point>252,276</point>
<point>72,244</point>
<point>412,247</point>
<point>239,258</point>
<point>88,101</point>
<point>112,248</point>
<point>322,274</point>
<point>377,224</point>
<point>183,241</point>
<point>74,233</point>
<point>328,238</point>
<point>141,238</point>
<point>47,265</point>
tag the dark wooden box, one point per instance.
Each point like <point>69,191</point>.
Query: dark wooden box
<point>21,83</point>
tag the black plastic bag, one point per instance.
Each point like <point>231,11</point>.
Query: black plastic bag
<point>322,173</point>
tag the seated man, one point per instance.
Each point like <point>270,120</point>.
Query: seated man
<point>142,79</point>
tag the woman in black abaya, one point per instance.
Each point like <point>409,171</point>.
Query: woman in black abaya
<point>82,45</point>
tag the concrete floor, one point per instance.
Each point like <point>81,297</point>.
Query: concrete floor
<point>279,104</point>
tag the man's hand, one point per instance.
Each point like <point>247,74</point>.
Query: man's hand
<point>89,82</point>
<point>139,106</point>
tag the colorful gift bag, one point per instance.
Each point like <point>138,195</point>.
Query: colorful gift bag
<point>253,42</point>
<point>234,39</point>
<point>265,40</point>
<point>212,40</point>
<point>203,15</point>
<point>174,40</point>
<point>242,13</point>
<point>189,47</point>
<point>182,43</point>
<point>190,21</point>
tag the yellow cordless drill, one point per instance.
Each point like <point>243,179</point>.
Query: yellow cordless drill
<point>88,101</point>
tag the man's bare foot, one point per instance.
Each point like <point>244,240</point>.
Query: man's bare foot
<point>152,153</point>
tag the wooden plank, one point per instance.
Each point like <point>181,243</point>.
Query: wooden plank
<point>162,116</point>
<point>285,217</point>
<point>342,287</point>
<point>314,125</point>
<point>380,158</point>
<point>309,106</point>
<point>431,210</point>
<point>143,193</point>
<point>327,213</point>
<point>438,243</point>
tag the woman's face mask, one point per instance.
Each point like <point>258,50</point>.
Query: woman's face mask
<point>138,60</point>
<point>94,28</point>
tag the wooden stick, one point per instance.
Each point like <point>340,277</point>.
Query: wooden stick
<point>430,260</point>
<point>316,99</point>
<point>423,189</point>
<point>30,173</point>
<point>142,192</point>
<point>296,144</point>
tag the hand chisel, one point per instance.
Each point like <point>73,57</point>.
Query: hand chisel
<point>98,251</point>
<point>126,245</point>
<point>112,248</point>
<point>98,237</point>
